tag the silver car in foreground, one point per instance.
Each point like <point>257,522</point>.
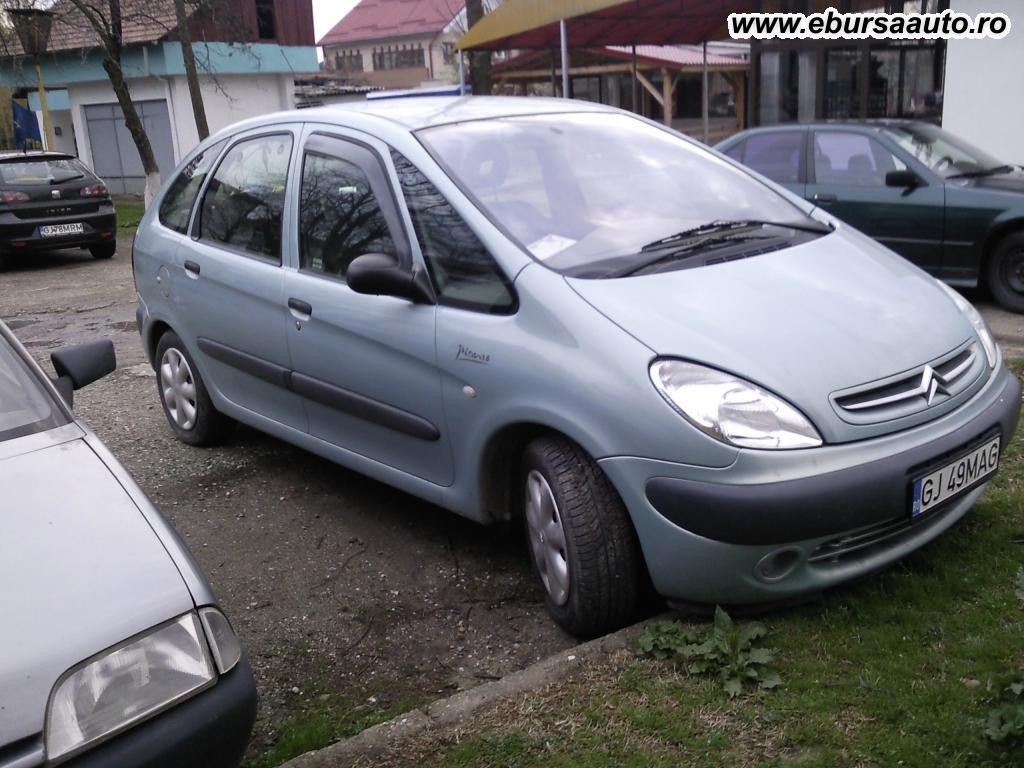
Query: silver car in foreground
<point>671,369</point>
<point>112,650</point>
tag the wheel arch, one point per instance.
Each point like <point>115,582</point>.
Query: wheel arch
<point>993,237</point>
<point>152,337</point>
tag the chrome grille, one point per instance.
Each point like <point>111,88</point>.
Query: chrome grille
<point>905,394</point>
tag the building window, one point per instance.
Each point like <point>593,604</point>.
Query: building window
<point>788,86</point>
<point>448,52</point>
<point>265,27</point>
<point>398,57</point>
<point>349,61</point>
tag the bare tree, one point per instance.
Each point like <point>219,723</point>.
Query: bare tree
<point>185,37</point>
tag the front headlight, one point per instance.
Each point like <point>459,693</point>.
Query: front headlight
<point>128,683</point>
<point>730,409</point>
<point>980,326</point>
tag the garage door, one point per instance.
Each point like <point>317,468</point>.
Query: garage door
<point>114,156</point>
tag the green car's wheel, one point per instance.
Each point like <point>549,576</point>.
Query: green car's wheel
<point>584,548</point>
<point>1006,272</point>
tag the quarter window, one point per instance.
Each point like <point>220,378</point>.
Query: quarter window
<point>852,159</point>
<point>339,216</point>
<point>464,272</point>
<point>176,207</point>
<point>244,202</point>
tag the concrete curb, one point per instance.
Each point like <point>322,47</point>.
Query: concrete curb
<point>456,708</point>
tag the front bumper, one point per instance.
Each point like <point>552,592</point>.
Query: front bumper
<point>776,525</point>
<point>210,730</point>
<point>22,235</point>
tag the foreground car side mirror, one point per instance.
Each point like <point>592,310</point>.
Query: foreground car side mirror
<point>81,365</point>
<point>906,179</point>
<point>379,274</point>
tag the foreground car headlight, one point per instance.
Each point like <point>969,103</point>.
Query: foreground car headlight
<point>975,319</point>
<point>136,679</point>
<point>730,409</point>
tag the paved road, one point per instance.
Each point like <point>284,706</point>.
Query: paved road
<point>335,582</point>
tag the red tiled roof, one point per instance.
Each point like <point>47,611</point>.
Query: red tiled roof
<point>380,19</point>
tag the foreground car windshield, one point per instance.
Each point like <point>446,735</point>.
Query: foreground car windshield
<point>43,171</point>
<point>585,193</point>
<point>942,152</point>
<point>25,407</point>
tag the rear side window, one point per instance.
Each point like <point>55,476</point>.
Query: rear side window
<point>52,170</point>
<point>340,218</point>
<point>176,207</point>
<point>775,154</point>
<point>463,270</point>
<point>244,202</point>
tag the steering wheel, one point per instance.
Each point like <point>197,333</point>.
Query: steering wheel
<point>944,161</point>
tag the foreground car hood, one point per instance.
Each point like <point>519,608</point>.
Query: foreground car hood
<point>80,570</point>
<point>804,322</point>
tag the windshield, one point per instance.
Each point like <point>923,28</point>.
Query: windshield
<point>942,152</point>
<point>586,192</point>
<point>25,407</point>
<point>49,170</point>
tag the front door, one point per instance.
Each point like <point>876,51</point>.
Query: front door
<point>230,287</point>
<point>366,366</point>
<point>847,179</point>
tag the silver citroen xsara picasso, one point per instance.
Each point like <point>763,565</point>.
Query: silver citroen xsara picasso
<point>670,368</point>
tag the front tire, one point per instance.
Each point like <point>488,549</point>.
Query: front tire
<point>103,250</point>
<point>1006,272</point>
<point>583,546</point>
<point>183,394</point>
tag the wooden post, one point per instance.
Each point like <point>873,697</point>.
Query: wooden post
<point>668,87</point>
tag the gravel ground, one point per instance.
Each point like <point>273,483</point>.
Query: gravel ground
<point>336,583</point>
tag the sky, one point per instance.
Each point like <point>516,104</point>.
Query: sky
<point>327,13</point>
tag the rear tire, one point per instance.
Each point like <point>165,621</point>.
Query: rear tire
<point>103,251</point>
<point>1005,272</point>
<point>584,549</point>
<point>183,395</point>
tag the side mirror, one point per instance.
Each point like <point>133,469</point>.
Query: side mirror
<point>906,179</point>
<point>379,274</point>
<point>81,365</point>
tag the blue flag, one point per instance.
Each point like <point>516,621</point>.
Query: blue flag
<point>26,128</point>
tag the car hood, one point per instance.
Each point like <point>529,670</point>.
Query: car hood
<point>81,570</point>
<point>804,322</point>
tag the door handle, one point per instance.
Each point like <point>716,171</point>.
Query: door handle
<point>192,269</point>
<point>300,310</point>
<point>824,197</point>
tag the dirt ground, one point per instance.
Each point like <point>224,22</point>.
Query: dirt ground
<point>336,583</point>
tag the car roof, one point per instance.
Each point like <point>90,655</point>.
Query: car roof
<point>10,156</point>
<point>418,112</point>
<point>873,124</point>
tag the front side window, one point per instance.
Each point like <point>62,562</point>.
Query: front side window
<point>339,216</point>
<point>244,202</point>
<point>463,271</point>
<point>25,407</point>
<point>176,207</point>
<point>774,154</point>
<point>587,193</point>
<point>852,159</point>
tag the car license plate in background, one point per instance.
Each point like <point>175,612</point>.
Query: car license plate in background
<point>956,477</point>
<point>53,230</point>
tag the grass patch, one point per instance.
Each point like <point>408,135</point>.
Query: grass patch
<point>129,213</point>
<point>900,669</point>
<point>325,720</point>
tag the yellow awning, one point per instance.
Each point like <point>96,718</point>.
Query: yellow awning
<point>514,17</point>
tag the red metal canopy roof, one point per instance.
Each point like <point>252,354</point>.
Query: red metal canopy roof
<point>635,22</point>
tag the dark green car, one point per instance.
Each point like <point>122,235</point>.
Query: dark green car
<point>931,197</point>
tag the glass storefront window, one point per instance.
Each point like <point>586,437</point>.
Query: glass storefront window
<point>842,89</point>
<point>922,95</point>
<point>787,87</point>
<point>884,83</point>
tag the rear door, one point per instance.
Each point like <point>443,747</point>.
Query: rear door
<point>777,154</point>
<point>229,282</point>
<point>847,179</point>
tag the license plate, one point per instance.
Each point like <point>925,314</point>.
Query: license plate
<point>955,478</point>
<point>55,230</point>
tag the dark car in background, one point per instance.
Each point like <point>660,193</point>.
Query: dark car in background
<point>49,201</point>
<point>928,195</point>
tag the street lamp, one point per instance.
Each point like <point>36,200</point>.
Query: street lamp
<point>32,25</point>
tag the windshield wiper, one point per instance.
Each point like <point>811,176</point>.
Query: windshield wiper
<point>724,226</point>
<point>997,170</point>
<point>686,250</point>
<point>66,178</point>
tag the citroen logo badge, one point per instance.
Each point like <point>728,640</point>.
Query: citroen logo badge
<point>55,194</point>
<point>931,384</point>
